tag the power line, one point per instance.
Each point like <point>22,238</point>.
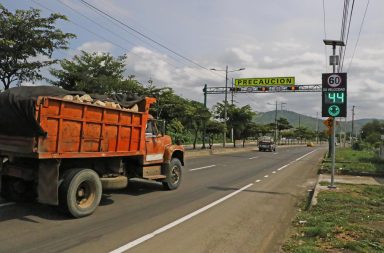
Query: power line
<point>325,37</point>
<point>143,35</point>
<point>343,27</point>
<point>358,37</point>
<point>110,31</point>
<point>84,28</point>
<point>346,41</point>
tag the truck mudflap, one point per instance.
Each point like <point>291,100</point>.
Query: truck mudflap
<point>48,182</point>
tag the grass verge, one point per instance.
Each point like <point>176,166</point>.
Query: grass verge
<point>347,219</point>
<point>353,162</point>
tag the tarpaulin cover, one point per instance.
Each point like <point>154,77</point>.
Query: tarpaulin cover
<point>17,107</point>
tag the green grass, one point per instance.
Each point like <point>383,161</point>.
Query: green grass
<point>355,162</point>
<point>349,219</point>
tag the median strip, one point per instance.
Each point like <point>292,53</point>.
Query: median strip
<point>205,167</point>
<point>177,222</point>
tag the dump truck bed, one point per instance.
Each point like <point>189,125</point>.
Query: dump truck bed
<point>81,130</point>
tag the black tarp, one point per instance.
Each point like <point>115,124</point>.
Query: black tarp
<point>17,107</point>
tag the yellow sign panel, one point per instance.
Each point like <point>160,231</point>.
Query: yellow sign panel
<point>265,81</point>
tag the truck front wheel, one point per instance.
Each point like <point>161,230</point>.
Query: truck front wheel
<point>80,192</point>
<point>173,175</point>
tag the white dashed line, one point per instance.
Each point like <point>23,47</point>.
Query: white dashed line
<point>253,157</point>
<point>176,222</point>
<point>205,167</point>
<point>258,181</point>
<point>301,157</point>
<point>273,172</point>
<point>7,204</point>
<point>266,176</point>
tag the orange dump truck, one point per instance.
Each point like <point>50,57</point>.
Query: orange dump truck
<point>66,152</point>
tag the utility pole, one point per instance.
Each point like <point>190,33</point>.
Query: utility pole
<point>276,124</point>
<point>317,127</point>
<point>353,122</point>
<point>226,100</point>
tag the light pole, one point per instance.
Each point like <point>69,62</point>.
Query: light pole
<point>226,98</point>
<point>281,106</point>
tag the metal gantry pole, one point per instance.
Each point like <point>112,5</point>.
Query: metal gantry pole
<point>225,106</point>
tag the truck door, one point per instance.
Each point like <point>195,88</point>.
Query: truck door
<point>153,143</point>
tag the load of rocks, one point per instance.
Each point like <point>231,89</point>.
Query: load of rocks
<point>88,99</point>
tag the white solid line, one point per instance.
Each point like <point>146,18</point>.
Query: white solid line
<point>253,157</point>
<point>205,167</point>
<point>176,222</point>
<point>7,204</point>
<point>258,181</point>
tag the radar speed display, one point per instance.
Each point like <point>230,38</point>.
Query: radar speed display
<point>334,95</point>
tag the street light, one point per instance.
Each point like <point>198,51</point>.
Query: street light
<point>281,106</point>
<point>225,100</point>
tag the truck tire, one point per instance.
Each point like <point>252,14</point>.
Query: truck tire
<point>80,192</point>
<point>173,173</point>
<point>17,189</point>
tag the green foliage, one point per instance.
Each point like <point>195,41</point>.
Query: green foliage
<point>92,73</point>
<point>27,42</point>
<point>177,131</point>
<point>372,131</point>
<point>237,118</point>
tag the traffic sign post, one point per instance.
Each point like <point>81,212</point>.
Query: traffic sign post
<point>334,104</point>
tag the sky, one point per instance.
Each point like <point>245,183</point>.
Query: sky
<point>268,38</point>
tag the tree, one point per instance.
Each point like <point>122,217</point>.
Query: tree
<point>238,119</point>
<point>91,72</point>
<point>372,132</point>
<point>25,36</point>
<point>213,128</point>
<point>197,115</point>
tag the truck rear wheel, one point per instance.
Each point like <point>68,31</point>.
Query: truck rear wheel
<point>173,173</point>
<point>80,192</point>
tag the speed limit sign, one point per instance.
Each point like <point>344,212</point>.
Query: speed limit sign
<point>334,80</point>
<point>334,95</point>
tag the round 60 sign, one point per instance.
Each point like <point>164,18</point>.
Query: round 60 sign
<point>334,80</point>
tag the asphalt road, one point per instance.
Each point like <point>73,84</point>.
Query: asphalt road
<point>240,202</point>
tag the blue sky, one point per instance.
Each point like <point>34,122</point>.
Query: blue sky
<point>268,38</point>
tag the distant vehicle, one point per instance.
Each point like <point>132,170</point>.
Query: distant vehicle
<point>310,144</point>
<point>266,143</point>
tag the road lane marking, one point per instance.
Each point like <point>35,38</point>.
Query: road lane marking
<point>301,157</point>
<point>205,167</point>
<point>273,172</point>
<point>177,222</point>
<point>266,176</point>
<point>258,181</point>
<point>253,157</point>
<point>7,204</point>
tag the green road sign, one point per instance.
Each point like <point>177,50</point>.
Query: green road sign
<point>265,81</point>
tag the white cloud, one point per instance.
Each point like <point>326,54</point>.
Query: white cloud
<point>96,46</point>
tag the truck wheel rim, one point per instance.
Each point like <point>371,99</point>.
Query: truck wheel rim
<point>85,194</point>
<point>175,174</point>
